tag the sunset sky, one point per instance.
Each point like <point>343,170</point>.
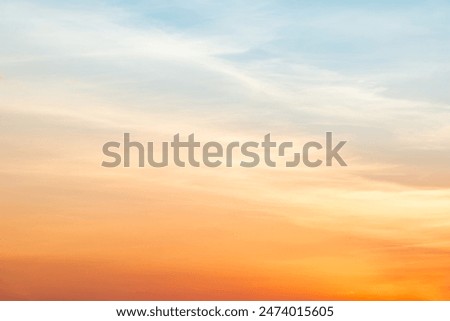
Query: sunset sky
<point>77,74</point>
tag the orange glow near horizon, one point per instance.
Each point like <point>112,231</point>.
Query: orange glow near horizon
<point>173,234</point>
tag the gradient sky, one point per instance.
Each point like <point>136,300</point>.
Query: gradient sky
<point>77,74</point>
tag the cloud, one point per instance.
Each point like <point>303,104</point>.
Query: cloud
<point>97,67</point>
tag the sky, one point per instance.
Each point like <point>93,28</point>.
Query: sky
<point>77,74</point>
